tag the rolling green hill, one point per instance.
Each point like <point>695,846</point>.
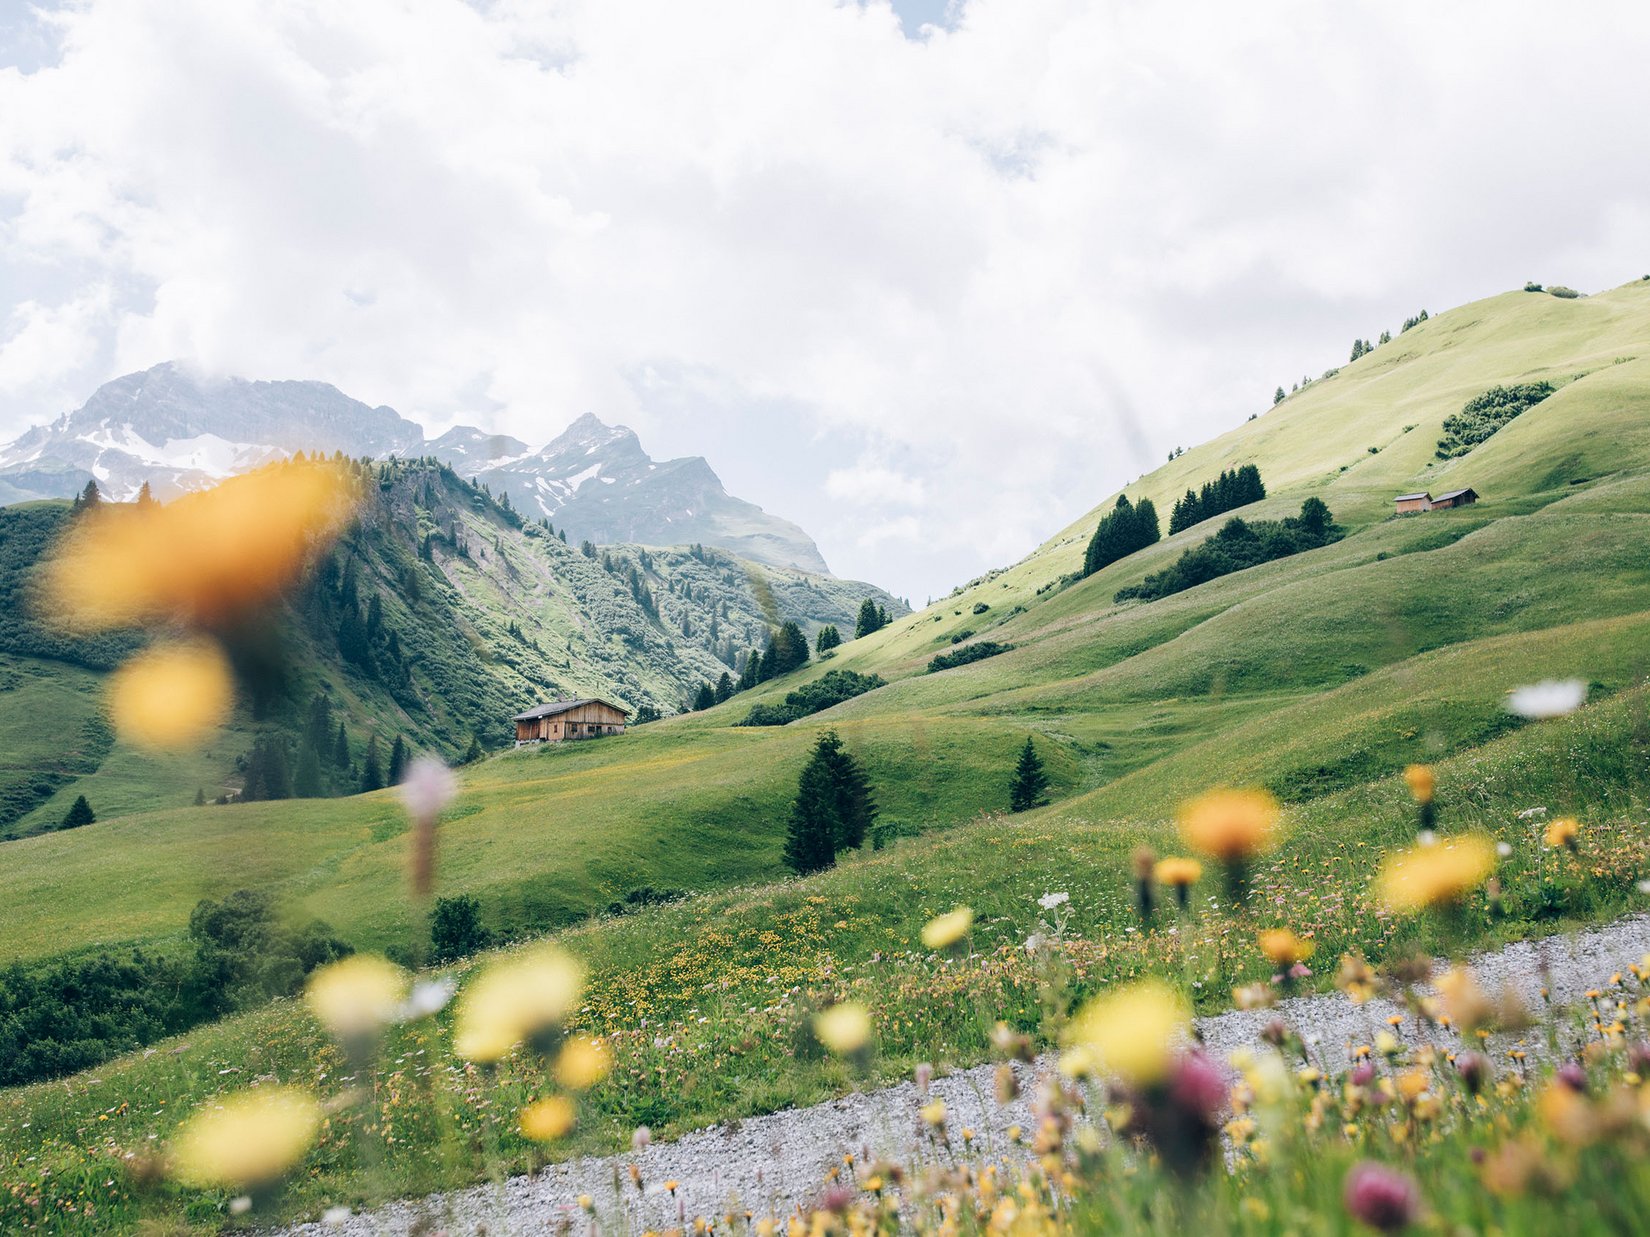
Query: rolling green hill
<point>1319,675</point>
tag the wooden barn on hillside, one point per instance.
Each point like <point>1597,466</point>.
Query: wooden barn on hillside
<point>569,719</point>
<point>1414,504</point>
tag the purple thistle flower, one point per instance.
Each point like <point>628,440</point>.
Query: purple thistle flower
<point>1381,1197</point>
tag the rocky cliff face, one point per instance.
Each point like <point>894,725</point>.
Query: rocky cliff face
<point>179,431</point>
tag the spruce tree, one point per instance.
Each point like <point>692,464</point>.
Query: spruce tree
<point>1030,781</point>
<point>306,783</point>
<point>398,760</point>
<point>1279,396</point>
<point>200,796</point>
<point>872,618</point>
<point>473,753</point>
<point>372,769</point>
<point>340,748</point>
<point>810,839</point>
<point>705,698</point>
<point>79,813</point>
<point>749,672</point>
<point>855,809</point>
<point>146,496</point>
<point>724,687</point>
<point>829,638</point>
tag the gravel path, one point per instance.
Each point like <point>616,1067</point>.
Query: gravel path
<point>770,1164</point>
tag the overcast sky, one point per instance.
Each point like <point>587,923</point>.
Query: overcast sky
<point>928,281</point>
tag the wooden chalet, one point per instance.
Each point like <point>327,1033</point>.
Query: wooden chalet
<point>1413,504</point>
<point>569,719</point>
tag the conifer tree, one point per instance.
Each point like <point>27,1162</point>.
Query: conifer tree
<point>1279,396</point>
<point>473,753</point>
<point>872,618</point>
<point>705,698</point>
<point>724,687</point>
<point>200,796</point>
<point>398,761</point>
<point>829,638</point>
<point>855,809</point>
<point>372,769</point>
<point>1030,781</point>
<point>810,839</point>
<point>340,748</point>
<point>306,783</point>
<point>749,672</point>
<point>145,496</point>
<point>79,813</point>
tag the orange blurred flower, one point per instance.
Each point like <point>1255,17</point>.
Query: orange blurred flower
<point>1230,825</point>
<point>171,695</point>
<point>204,560</point>
<point>1421,782</point>
<point>1283,948</point>
<point>1434,875</point>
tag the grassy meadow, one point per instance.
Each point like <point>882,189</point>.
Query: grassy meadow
<point>1319,677</point>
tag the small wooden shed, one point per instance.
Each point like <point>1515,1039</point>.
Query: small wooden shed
<point>569,719</point>
<point>1455,498</point>
<point>1410,504</point>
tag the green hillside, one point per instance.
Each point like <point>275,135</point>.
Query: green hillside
<point>1319,675</point>
<point>481,615</point>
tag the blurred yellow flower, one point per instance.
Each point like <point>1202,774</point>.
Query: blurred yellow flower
<point>947,929</point>
<point>933,1113</point>
<point>548,1119</point>
<point>171,695</point>
<point>1283,948</point>
<point>1134,1032</point>
<point>1421,782</point>
<point>203,560</point>
<point>1230,825</point>
<point>583,1062</point>
<point>1436,874</point>
<point>250,1139</point>
<point>844,1029</point>
<point>1178,872</point>
<point>1563,832</point>
<point>357,996</point>
<point>516,999</point>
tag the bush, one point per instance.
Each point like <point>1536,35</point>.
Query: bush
<point>1482,415</point>
<point>1559,290</point>
<point>968,653</point>
<point>455,929</point>
<point>1239,544</point>
<point>831,688</point>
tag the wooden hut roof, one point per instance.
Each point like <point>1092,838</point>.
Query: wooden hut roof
<point>562,706</point>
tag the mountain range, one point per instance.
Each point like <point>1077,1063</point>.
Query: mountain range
<point>177,430</point>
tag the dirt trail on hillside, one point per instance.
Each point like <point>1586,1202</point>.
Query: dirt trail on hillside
<point>770,1164</point>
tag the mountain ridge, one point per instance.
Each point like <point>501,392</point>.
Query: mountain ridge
<point>177,431</point>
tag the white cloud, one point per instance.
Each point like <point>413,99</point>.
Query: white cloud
<point>1021,255</point>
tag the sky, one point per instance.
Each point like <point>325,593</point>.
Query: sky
<point>931,279</point>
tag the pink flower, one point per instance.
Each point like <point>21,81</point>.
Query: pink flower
<point>1474,1069</point>
<point>428,788</point>
<point>1198,1086</point>
<point>1381,1197</point>
<point>641,1138</point>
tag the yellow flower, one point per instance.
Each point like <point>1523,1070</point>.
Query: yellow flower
<point>1436,874</point>
<point>844,1029</point>
<point>203,560</point>
<point>1230,825</point>
<point>1178,872</point>
<point>947,929</point>
<point>1421,782</point>
<point>171,695</point>
<point>516,999</point>
<point>583,1062</point>
<point>933,1113</point>
<point>1283,948</point>
<point>1563,832</point>
<point>250,1139</point>
<point>358,995</point>
<point>548,1119</point>
<point>1134,1032</point>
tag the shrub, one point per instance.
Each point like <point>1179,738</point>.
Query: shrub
<point>456,930</point>
<point>1484,414</point>
<point>1532,286</point>
<point>1239,544</point>
<point>967,653</point>
<point>1559,290</point>
<point>833,687</point>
